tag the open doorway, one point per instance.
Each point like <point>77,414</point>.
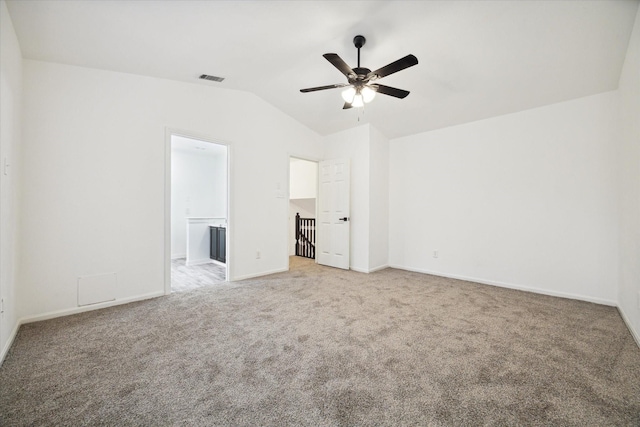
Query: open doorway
<point>198,213</point>
<point>303,195</point>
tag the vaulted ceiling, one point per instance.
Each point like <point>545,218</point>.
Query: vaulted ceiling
<point>477,59</point>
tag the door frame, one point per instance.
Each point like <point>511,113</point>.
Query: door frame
<point>308,159</point>
<point>169,132</point>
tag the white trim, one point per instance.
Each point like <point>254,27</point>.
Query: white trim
<point>378,268</point>
<point>167,211</point>
<point>9,342</point>
<point>513,286</point>
<point>368,270</point>
<point>304,157</point>
<point>169,132</point>
<point>76,310</point>
<point>178,256</point>
<point>264,273</point>
<point>626,320</point>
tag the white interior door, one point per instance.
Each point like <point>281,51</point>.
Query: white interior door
<point>333,213</point>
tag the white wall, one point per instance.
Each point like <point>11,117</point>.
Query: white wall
<point>303,179</point>
<point>525,200</point>
<point>354,144</point>
<point>629,182</point>
<point>94,178</point>
<point>378,200</point>
<point>198,189</point>
<point>10,145</point>
<point>220,185</point>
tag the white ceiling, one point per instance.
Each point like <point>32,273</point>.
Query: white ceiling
<point>477,59</point>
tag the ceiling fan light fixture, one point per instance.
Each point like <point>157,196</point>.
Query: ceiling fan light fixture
<point>357,101</point>
<point>348,94</point>
<point>368,94</point>
<point>358,97</point>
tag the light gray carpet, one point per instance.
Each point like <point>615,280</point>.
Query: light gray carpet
<point>188,278</point>
<point>323,347</point>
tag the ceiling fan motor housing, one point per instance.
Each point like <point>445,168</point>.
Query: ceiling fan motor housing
<point>361,73</point>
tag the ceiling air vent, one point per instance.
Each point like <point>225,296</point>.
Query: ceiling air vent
<point>212,78</point>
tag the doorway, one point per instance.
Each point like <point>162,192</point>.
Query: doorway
<point>198,234</point>
<point>303,196</point>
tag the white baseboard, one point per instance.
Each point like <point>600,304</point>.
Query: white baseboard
<point>178,256</point>
<point>253,276</point>
<point>513,286</point>
<point>368,270</point>
<point>635,334</point>
<point>378,268</point>
<point>9,342</point>
<point>76,310</point>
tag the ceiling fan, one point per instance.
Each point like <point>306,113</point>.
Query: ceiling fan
<point>361,88</point>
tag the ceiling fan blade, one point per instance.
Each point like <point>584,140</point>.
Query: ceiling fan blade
<point>339,64</point>
<point>313,89</point>
<point>394,67</point>
<point>347,106</point>
<point>391,91</point>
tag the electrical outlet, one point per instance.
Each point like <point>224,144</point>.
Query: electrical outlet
<point>435,254</point>
<point>258,254</point>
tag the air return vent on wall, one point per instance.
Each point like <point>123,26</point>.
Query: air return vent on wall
<point>212,78</point>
